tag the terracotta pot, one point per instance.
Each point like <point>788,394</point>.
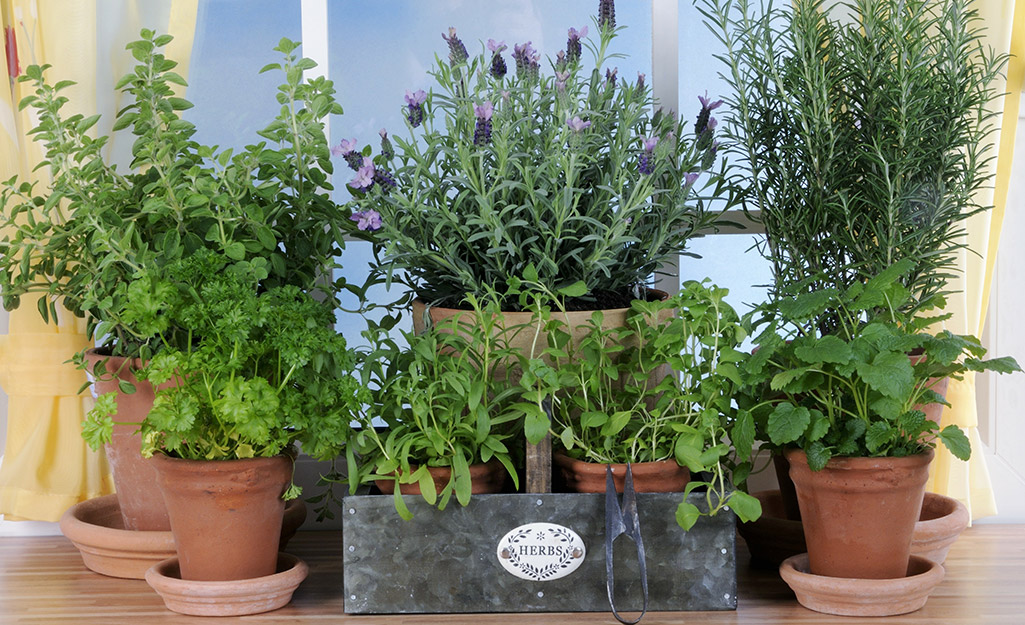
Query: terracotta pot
<point>226,515</point>
<point>520,327</point>
<point>664,476</point>
<point>484,479</point>
<point>773,537</point>
<point>142,505</point>
<point>941,522</point>
<point>788,495</point>
<point>859,514</point>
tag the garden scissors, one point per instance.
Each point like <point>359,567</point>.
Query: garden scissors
<point>623,520</point>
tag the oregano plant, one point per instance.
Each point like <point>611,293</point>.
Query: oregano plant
<point>90,237</point>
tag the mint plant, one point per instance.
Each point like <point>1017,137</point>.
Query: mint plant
<point>658,388</point>
<point>506,167</point>
<point>858,391</point>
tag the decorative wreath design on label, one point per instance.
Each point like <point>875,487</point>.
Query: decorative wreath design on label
<point>542,573</point>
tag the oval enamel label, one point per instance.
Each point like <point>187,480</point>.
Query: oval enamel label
<point>541,551</point>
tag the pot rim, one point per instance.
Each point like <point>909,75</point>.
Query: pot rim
<point>861,463</point>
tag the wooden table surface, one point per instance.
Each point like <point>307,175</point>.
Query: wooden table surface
<point>42,580</point>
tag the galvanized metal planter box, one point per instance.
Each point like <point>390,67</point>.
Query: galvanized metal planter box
<point>446,562</point>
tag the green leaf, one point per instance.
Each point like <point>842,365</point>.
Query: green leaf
<point>818,455</point>
<point>126,387</point>
<point>746,507</point>
<point>743,435</point>
<point>890,373</point>
<point>784,378</point>
<point>955,440</point>
<point>787,423</point>
<point>878,436</point>
<point>807,305</point>
<point>1005,364</point>
<point>829,348</point>
<point>235,251</point>
<point>819,426</point>
<point>400,505</point>
<point>687,515</point>
<point>576,289</point>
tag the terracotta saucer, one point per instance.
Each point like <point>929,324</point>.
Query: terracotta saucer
<point>234,598</point>
<point>942,521</point>
<point>97,530</point>
<point>774,538</point>
<point>862,597</point>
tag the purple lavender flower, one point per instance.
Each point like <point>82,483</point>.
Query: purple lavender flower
<point>482,132</point>
<point>505,96</point>
<point>387,151</point>
<point>573,47</point>
<point>415,104</point>
<point>364,175</point>
<point>367,220</point>
<point>346,148</point>
<point>527,65</point>
<point>578,125</point>
<point>707,106</point>
<point>560,81</point>
<point>690,179</point>
<point>498,66</point>
<point>607,14</point>
<point>645,162</point>
<point>560,61</point>
<point>384,179</point>
<point>640,81</point>
<point>456,50</point>
<point>610,77</point>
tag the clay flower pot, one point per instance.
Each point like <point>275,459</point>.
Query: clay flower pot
<point>941,522</point>
<point>664,476</point>
<point>142,505</point>
<point>774,538</point>
<point>859,514</point>
<point>226,515</point>
<point>484,479</point>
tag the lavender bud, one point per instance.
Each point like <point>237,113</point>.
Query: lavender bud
<point>387,151</point>
<point>607,15</point>
<point>456,50</point>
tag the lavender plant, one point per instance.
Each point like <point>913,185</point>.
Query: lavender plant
<point>506,166</point>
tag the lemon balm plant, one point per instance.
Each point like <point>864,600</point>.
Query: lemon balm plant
<point>508,164</point>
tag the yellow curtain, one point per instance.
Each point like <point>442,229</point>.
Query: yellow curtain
<point>969,482</point>
<point>46,467</point>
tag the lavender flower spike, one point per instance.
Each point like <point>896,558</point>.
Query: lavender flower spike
<point>367,220</point>
<point>415,104</point>
<point>526,60</point>
<point>607,14</point>
<point>690,179</point>
<point>644,162</point>
<point>364,175</point>
<point>387,151</point>
<point>456,50</point>
<point>573,48</point>
<point>498,66</point>
<point>578,125</point>
<point>482,132</point>
<point>347,149</point>
<point>707,106</point>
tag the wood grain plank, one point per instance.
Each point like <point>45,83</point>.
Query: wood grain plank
<point>43,581</point>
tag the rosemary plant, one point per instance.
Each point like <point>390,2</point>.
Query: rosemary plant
<point>865,140</point>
